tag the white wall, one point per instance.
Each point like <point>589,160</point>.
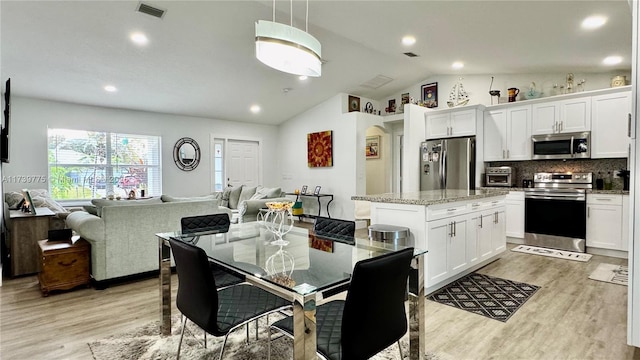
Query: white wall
<point>347,175</point>
<point>379,170</point>
<point>30,119</point>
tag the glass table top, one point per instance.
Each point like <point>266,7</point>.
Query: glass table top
<point>305,264</point>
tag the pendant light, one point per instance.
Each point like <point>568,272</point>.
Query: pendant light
<point>286,48</point>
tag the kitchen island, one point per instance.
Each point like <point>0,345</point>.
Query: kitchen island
<point>462,230</point>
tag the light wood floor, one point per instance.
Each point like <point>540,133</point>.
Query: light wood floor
<point>570,317</point>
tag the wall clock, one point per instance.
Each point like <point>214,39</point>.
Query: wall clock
<point>354,103</point>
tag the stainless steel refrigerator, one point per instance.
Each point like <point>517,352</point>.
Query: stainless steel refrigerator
<point>448,164</point>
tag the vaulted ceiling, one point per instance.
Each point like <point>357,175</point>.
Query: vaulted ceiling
<point>200,58</point>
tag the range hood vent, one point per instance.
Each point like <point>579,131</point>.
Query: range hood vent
<point>150,10</point>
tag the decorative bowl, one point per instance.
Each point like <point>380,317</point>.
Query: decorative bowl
<point>279,205</point>
<point>532,94</point>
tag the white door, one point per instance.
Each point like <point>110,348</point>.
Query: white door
<point>242,163</point>
<point>575,115</point>
<point>545,118</point>
<point>518,135</point>
<point>463,123</point>
<point>495,129</point>
<point>438,126</point>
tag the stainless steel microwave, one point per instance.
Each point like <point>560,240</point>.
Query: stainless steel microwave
<point>561,146</point>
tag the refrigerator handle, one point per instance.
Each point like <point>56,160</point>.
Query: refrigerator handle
<point>443,166</point>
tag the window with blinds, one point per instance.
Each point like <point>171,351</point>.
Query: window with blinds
<point>90,164</point>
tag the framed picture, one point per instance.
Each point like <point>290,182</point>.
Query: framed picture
<point>320,149</point>
<point>372,147</point>
<point>304,189</point>
<point>405,99</point>
<point>317,190</point>
<point>430,95</point>
<point>392,106</point>
<point>27,198</point>
<point>354,103</point>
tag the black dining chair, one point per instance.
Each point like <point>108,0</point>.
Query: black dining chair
<point>213,223</point>
<point>371,318</point>
<point>217,312</point>
<point>338,229</point>
<point>335,230</point>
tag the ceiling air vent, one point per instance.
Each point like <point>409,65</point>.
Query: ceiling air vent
<point>377,82</point>
<point>410,54</point>
<point>151,10</point>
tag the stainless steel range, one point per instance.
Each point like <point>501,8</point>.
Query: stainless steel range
<point>555,210</point>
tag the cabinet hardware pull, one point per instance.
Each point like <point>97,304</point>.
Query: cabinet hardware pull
<point>67,264</point>
<point>450,229</point>
<point>495,202</point>
<point>481,221</point>
<point>454,229</point>
<point>452,209</point>
<point>604,199</point>
<point>503,154</point>
<point>561,125</point>
<point>588,211</point>
<point>629,126</point>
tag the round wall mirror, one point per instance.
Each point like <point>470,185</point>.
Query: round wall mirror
<point>186,154</point>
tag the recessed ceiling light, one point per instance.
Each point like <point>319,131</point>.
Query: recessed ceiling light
<point>110,88</point>
<point>303,77</point>
<point>593,22</point>
<point>408,40</point>
<point>457,65</point>
<point>255,109</point>
<point>139,38</point>
<point>612,60</point>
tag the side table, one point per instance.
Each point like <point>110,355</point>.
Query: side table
<point>318,197</point>
<point>26,230</point>
<point>63,264</point>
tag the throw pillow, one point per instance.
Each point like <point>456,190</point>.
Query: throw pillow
<point>266,193</point>
<point>224,200</point>
<point>246,193</point>
<point>91,209</point>
<point>13,199</point>
<point>234,197</point>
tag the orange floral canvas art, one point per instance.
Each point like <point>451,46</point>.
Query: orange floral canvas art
<point>320,149</point>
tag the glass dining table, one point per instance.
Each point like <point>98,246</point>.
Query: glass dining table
<point>300,267</point>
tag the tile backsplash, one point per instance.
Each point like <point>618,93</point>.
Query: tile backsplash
<point>526,169</point>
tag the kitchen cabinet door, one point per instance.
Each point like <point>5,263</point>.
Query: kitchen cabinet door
<point>498,237</point>
<point>610,125</point>
<point>458,253</point>
<point>518,135</point>
<point>437,125</point>
<point>575,115</point>
<point>545,117</point>
<point>463,123</point>
<point>514,217</point>
<point>604,221</point>
<point>483,234</point>
<point>438,238</point>
<point>495,132</point>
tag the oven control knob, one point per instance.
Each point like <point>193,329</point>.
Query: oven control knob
<point>584,177</point>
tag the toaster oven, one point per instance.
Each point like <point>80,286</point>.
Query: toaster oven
<point>502,176</point>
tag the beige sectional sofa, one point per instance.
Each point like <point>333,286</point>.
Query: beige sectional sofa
<point>122,232</point>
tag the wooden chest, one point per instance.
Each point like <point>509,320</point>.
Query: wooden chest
<point>63,264</point>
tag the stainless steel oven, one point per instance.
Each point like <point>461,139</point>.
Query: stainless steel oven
<point>555,211</point>
<point>561,146</point>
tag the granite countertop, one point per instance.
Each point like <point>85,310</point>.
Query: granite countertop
<point>432,197</point>
<point>592,191</point>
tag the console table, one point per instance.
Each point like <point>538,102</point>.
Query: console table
<point>26,230</point>
<point>318,197</point>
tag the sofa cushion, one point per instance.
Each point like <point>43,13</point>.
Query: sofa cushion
<point>266,193</point>
<point>100,203</point>
<point>234,197</point>
<point>168,198</point>
<point>246,193</point>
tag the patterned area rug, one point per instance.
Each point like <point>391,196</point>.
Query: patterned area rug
<point>484,295</point>
<point>144,343</point>
<point>560,254</point>
<point>616,274</point>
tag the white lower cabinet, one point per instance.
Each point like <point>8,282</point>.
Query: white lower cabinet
<point>605,222</point>
<point>447,238</point>
<point>514,204</point>
<point>463,239</point>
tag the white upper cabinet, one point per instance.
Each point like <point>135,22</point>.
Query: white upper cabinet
<point>506,134</point>
<point>610,125</point>
<point>451,123</point>
<point>564,116</point>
